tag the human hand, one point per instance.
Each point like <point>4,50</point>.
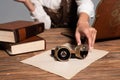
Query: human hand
<point>84,29</point>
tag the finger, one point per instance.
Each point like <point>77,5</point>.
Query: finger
<point>89,37</point>
<point>94,36</point>
<point>93,32</point>
<point>77,36</point>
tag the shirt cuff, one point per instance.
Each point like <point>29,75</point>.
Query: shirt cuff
<point>41,17</point>
<point>87,8</point>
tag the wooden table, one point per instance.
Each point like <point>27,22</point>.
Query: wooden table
<point>106,68</point>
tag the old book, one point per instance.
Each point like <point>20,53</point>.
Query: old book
<point>31,44</point>
<point>107,20</point>
<point>17,31</point>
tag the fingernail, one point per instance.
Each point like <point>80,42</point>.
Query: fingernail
<point>78,43</point>
<point>91,48</point>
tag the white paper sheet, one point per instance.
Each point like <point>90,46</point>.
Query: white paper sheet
<point>65,69</point>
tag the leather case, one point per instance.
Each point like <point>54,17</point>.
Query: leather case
<point>107,20</point>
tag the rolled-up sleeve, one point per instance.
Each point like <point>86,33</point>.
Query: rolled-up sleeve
<point>85,6</point>
<point>40,15</point>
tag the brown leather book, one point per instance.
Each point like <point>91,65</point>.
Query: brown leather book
<point>31,44</point>
<point>107,20</point>
<point>17,31</point>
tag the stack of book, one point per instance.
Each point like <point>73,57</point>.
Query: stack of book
<point>18,37</point>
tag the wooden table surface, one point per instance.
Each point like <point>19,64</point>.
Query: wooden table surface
<point>106,68</point>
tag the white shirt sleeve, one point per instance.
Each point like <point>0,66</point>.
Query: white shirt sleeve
<point>40,15</point>
<point>86,6</point>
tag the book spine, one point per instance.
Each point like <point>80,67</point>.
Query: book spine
<point>26,32</point>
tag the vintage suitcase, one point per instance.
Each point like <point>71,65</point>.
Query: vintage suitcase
<point>107,21</point>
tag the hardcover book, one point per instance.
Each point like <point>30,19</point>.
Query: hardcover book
<point>31,44</point>
<point>17,31</point>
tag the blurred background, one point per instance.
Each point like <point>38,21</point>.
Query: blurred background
<point>11,10</point>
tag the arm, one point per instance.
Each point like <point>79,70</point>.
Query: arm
<point>28,4</point>
<point>85,11</point>
<point>37,11</point>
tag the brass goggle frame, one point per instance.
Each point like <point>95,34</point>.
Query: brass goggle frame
<point>62,53</point>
